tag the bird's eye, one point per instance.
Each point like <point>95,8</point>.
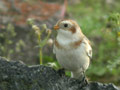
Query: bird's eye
<point>65,25</point>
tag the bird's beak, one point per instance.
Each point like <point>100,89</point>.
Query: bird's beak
<point>56,27</point>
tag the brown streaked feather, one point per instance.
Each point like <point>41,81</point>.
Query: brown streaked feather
<point>58,45</point>
<point>74,23</point>
<point>73,29</point>
<point>77,43</point>
<point>72,45</point>
<point>89,43</point>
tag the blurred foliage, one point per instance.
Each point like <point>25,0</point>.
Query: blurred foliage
<point>38,31</point>
<point>114,21</point>
<point>6,41</point>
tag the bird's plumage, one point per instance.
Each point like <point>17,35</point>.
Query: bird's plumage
<point>72,48</point>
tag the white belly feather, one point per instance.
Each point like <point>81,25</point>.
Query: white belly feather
<point>73,59</point>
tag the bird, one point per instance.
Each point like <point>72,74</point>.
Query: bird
<point>72,48</point>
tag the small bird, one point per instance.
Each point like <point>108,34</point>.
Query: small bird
<point>72,48</point>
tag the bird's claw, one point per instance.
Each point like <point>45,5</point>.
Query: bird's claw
<point>84,81</point>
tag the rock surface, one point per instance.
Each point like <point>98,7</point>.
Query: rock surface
<point>15,75</point>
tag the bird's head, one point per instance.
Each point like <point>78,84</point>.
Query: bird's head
<point>66,25</point>
<point>68,28</point>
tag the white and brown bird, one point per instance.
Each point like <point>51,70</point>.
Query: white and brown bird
<point>72,48</point>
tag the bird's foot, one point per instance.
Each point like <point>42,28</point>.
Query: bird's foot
<point>61,72</point>
<point>85,81</point>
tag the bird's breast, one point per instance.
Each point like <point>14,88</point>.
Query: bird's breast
<point>72,59</point>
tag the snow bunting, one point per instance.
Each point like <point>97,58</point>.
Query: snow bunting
<point>72,48</point>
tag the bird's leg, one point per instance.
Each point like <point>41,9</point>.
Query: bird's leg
<point>84,80</point>
<point>61,72</point>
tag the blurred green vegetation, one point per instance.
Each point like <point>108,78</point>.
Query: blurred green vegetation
<point>6,41</point>
<point>100,22</point>
<point>5,38</point>
<point>41,42</point>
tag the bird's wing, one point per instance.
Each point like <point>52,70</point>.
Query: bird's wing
<point>89,53</point>
<point>88,48</point>
<point>54,48</point>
